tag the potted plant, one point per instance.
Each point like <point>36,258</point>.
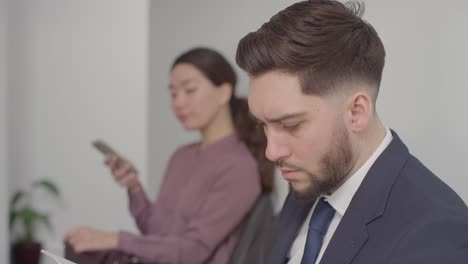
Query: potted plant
<point>26,248</point>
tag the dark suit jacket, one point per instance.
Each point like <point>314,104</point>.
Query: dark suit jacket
<point>402,213</point>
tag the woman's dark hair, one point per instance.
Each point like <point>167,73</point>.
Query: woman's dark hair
<point>219,71</point>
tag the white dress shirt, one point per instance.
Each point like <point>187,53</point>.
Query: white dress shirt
<point>340,201</point>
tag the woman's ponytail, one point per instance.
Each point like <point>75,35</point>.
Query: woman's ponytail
<point>254,137</point>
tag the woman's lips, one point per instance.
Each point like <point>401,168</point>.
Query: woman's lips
<point>182,118</point>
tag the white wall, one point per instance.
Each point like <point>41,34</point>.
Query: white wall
<point>78,71</point>
<point>3,134</point>
<point>177,26</point>
<point>423,85</point>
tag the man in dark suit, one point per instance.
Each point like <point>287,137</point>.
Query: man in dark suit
<point>356,193</point>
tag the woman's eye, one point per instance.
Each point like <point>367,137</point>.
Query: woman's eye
<point>190,91</point>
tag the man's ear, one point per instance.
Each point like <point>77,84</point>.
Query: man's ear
<point>359,111</point>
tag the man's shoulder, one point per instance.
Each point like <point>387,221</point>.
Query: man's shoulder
<point>419,185</point>
<point>423,219</point>
<point>436,238</point>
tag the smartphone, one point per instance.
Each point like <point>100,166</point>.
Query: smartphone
<point>104,148</point>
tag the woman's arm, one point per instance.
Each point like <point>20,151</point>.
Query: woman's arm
<point>229,200</point>
<point>140,206</point>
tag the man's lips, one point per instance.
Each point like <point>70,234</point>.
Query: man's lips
<point>288,174</point>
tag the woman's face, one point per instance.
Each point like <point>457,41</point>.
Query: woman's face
<point>195,99</point>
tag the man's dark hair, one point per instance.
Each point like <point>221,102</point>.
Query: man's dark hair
<point>325,43</point>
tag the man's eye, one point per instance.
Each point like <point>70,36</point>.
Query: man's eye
<point>291,127</point>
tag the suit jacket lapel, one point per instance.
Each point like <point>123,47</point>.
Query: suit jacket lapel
<point>367,204</point>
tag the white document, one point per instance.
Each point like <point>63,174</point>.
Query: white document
<point>57,259</point>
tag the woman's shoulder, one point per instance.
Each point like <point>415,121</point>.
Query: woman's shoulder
<point>238,153</point>
<point>237,166</point>
<point>184,150</point>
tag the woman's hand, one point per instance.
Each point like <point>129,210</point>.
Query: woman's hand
<point>124,172</point>
<point>83,239</point>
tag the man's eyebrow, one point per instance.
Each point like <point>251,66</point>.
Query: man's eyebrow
<point>279,118</point>
<point>285,116</point>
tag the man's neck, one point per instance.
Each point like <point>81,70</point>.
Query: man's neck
<point>364,147</point>
<point>368,143</point>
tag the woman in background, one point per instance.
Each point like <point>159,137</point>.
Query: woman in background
<point>209,186</point>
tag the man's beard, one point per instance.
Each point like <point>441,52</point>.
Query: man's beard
<point>335,165</point>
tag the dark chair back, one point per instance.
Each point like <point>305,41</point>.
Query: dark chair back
<point>255,241</point>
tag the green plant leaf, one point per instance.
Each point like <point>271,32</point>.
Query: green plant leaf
<point>22,211</point>
<point>15,198</point>
<point>48,185</point>
<point>44,218</point>
<point>29,216</point>
<point>13,217</point>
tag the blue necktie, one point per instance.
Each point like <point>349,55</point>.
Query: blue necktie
<point>318,227</point>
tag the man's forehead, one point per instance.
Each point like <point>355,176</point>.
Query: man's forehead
<point>272,83</point>
<point>265,106</point>
<point>264,110</point>
<point>276,75</point>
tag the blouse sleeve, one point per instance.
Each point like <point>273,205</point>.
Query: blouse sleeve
<point>140,206</point>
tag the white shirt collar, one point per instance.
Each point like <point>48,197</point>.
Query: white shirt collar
<point>342,197</point>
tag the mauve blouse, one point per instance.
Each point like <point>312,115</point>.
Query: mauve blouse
<point>203,200</point>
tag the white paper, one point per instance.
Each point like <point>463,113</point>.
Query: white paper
<point>57,259</point>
